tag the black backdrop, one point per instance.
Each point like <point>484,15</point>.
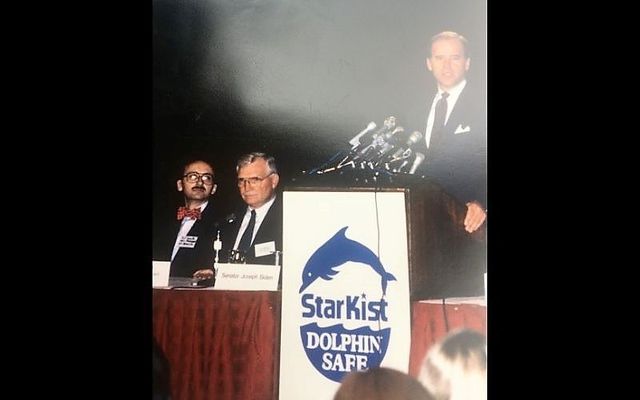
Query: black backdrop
<point>297,79</point>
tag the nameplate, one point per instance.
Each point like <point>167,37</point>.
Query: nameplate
<point>247,277</point>
<point>160,277</point>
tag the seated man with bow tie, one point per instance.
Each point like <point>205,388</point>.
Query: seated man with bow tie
<point>188,240</point>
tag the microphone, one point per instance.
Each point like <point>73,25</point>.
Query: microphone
<point>391,134</point>
<point>356,140</point>
<point>377,139</point>
<point>368,148</point>
<point>405,151</point>
<point>217,246</point>
<point>385,130</point>
<point>230,218</point>
<point>404,164</point>
<point>414,138</point>
<point>418,160</point>
<point>389,122</point>
<point>388,143</point>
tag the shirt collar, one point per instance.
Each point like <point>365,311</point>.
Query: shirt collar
<point>454,91</point>
<point>263,209</point>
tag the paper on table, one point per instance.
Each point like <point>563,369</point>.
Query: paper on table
<point>160,274</point>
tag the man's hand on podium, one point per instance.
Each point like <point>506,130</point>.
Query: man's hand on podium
<point>475,217</point>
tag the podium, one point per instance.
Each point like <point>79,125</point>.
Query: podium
<point>444,259</point>
<point>355,259</point>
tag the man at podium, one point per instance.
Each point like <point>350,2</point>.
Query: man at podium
<point>456,128</point>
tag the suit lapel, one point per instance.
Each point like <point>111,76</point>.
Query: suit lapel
<point>267,231</point>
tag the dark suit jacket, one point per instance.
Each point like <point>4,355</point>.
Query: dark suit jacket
<point>270,230</point>
<point>459,162</point>
<point>188,260</point>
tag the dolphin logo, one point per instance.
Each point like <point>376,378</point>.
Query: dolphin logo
<point>337,251</point>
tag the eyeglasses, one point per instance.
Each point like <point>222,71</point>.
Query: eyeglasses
<point>193,177</point>
<point>254,180</point>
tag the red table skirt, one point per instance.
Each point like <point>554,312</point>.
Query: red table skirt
<point>226,344</point>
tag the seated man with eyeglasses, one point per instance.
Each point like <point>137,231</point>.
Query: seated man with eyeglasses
<point>254,234</point>
<point>188,240</point>
<point>257,240</point>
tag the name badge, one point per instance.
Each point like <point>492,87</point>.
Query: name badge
<point>188,241</point>
<point>266,248</point>
<point>247,277</point>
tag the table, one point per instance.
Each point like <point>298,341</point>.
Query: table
<point>226,344</point>
<point>219,344</point>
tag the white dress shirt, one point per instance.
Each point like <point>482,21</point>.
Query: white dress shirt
<point>454,93</point>
<point>261,212</point>
<point>187,224</point>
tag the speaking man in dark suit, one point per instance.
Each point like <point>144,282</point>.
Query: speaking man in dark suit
<point>188,240</point>
<point>456,128</point>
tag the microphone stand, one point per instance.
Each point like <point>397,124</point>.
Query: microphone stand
<point>323,167</point>
<point>217,246</point>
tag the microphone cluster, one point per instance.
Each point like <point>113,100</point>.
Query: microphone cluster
<point>388,149</point>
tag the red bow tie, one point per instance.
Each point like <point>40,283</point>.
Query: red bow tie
<point>185,212</point>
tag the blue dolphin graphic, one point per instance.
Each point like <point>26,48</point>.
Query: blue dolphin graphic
<point>337,251</point>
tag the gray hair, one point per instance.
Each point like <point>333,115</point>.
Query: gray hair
<point>251,157</point>
<point>456,366</point>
